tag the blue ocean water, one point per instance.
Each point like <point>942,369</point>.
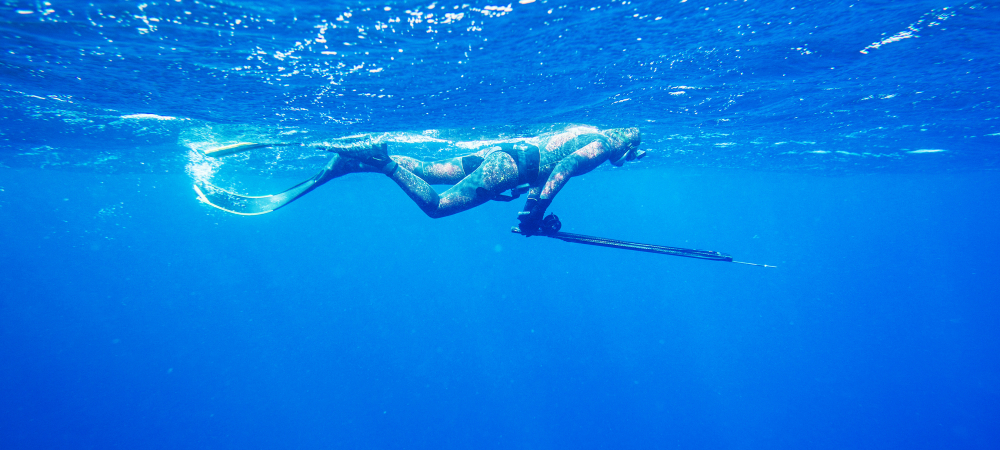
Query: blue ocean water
<point>853,144</point>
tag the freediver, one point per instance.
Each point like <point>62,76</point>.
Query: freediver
<point>542,165</point>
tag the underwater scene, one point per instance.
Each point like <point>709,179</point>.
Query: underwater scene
<point>302,224</point>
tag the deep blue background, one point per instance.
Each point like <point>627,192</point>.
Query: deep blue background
<point>132,316</point>
<point>338,322</point>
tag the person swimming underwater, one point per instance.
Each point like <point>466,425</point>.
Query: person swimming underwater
<point>542,166</point>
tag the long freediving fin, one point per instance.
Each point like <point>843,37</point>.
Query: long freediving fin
<point>342,145</point>
<point>246,205</point>
<point>241,147</point>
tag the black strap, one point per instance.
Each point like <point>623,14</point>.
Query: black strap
<point>526,156</point>
<point>532,156</point>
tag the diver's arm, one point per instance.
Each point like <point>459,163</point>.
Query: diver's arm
<point>578,163</point>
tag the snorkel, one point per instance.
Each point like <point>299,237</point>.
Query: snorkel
<point>631,155</point>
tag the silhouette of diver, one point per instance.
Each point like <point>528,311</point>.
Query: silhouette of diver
<point>541,166</point>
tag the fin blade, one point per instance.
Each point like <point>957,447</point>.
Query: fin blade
<point>235,203</point>
<point>233,149</point>
<point>246,205</point>
<point>241,147</point>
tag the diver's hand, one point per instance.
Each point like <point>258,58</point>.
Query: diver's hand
<point>532,215</point>
<point>529,226</point>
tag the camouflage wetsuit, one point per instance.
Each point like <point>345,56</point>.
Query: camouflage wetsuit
<point>542,164</point>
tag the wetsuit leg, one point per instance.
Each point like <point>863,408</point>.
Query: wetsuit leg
<point>497,173</point>
<point>445,171</point>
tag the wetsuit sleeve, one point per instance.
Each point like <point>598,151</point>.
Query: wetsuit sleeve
<point>580,162</point>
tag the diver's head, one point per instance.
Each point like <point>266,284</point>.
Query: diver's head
<point>625,145</point>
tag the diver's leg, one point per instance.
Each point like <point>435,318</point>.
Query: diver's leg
<point>497,173</point>
<point>340,165</point>
<point>445,171</point>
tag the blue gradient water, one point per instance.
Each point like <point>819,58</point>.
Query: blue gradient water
<point>852,144</point>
